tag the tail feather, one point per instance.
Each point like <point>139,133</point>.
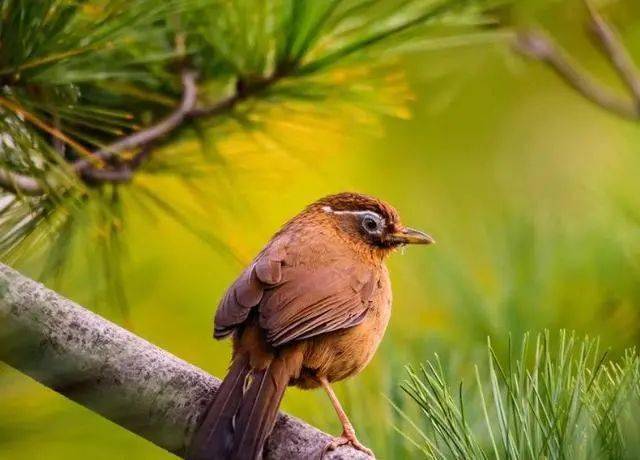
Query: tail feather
<point>214,437</point>
<point>243,413</point>
<point>255,421</point>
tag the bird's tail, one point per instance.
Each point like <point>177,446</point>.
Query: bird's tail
<point>243,412</point>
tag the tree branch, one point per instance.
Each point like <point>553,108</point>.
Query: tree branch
<point>123,171</point>
<point>19,184</point>
<point>152,133</point>
<point>539,46</point>
<point>615,51</point>
<point>121,376</point>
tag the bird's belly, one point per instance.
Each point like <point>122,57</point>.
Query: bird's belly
<point>339,355</point>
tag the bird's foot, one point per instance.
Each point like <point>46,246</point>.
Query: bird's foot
<point>347,437</point>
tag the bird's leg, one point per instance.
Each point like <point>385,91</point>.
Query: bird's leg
<point>348,433</point>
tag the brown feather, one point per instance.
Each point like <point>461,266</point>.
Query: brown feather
<point>314,302</point>
<point>247,291</point>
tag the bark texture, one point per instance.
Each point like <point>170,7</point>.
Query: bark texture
<point>120,375</point>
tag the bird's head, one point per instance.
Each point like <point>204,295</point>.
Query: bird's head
<point>368,221</point>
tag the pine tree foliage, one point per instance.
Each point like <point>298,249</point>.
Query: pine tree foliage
<point>94,92</point>
<point>557,399</point>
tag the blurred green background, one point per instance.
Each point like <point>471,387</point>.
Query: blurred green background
<point>531,192</point>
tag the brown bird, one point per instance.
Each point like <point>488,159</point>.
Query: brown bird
<point>311,309</point>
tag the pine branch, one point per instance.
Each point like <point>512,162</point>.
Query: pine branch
<point>538,45</point>
<point>106,165</point>
<point>185,111</point>
<point>123,172</point>
<point>615,51</point>
<point>152,133</point>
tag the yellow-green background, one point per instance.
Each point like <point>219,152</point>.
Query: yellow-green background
<point>532,193</point>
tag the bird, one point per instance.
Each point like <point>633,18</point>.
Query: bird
<point>308,311</point>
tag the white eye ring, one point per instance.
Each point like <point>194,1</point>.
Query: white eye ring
<point>372,223</point>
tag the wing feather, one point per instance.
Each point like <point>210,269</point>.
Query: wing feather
<point>296,301</point>
<point>314,302</point>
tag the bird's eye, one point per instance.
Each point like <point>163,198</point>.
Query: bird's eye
<point>370,224</point>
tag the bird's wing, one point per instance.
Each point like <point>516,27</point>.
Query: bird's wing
<point>247,291</point>
<point>295,301</point>
<point>309,302</point>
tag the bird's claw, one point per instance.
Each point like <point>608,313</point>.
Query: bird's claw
<point>347,438</point>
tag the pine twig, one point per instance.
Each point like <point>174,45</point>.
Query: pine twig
<point>538,45</point>
<point>615,51</point>
<point>124,171</point>
<point>152,133</point>
<point>145,138</point>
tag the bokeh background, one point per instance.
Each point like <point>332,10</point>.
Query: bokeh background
<point>531,192</point>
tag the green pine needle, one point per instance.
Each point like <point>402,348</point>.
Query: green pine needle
<point>556,399</point>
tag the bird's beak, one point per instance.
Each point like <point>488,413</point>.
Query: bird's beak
<point>408,235</point>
